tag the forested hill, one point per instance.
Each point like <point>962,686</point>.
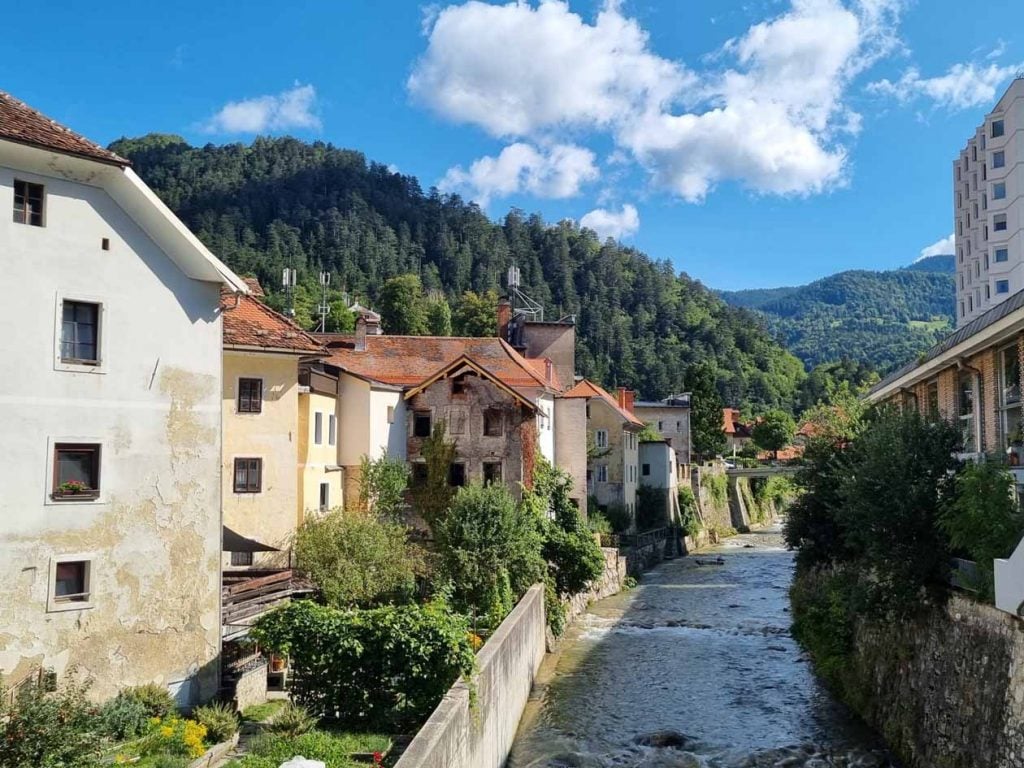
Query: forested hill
<point>282,202</point>
<point>885,318</point>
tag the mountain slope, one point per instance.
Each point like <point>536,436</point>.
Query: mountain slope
<point>284,203</point>
<point>885,318</point>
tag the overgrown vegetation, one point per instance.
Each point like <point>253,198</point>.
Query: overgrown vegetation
<point>689,517</point>
<point>433,496</point>
<point>44,729</point>
<point>382,484</point>
<point>774,431</point>
<point>334,749</point>
<point>220,720</point>
<point>382,669</point>
<point>356,559</point>
<point>651,508</point>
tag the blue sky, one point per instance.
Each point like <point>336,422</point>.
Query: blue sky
<point>753,143</point>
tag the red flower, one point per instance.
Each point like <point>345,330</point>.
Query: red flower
<point>378,758</point>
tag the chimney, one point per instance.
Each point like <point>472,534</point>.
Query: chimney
<point>360,334</point>
<point>504,317</point>
<point>372,321</point>
<point>549,369</point>
<point>626,399</point>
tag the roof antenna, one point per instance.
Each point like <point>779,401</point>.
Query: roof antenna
<point>521,303</point>
<point>324,308</point>
<point>288,280</point>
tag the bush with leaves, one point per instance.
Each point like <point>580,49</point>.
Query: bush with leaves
<point>598,523</point>
<point>689,519</point>
<point>381,669</point>
<point>617,514</point>
<point>124,717</point>
<point>356,559</point>
<point>382,484</point>
<point>484,539</point>
<point>982,519</point>
<point>155,698</point>
<point>292,721</point>
<point>43,729</point>
<point>220,720</point>
<point>434,495</point>
<point>651,508</point>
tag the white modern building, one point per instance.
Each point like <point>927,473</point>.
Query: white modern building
<point>110,516</point>
<point>988,181</point>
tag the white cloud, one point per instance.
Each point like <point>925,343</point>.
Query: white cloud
<point>557,171</point>
<point>943,247</point>
<point>961,87</point>
<point>294,108</point>
<point>617,224</point>
<point>516,69</point>
<point>776,121</point>
<point>998,51</point>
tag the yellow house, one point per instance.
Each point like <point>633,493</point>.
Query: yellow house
<point>320,478</point>
<point>261,431</point>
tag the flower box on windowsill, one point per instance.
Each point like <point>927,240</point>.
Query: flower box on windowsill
<point>88,495</point>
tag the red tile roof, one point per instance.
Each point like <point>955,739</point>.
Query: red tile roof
<point>24,125</point>
<point>249,322</point>
<point>405,361</point>
<point>589,389</point>
<point>732,425</point>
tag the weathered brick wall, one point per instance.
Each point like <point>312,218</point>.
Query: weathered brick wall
<point>948,405</point>
<point>946,690</point>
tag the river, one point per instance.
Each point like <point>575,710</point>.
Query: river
<point>694,667</point>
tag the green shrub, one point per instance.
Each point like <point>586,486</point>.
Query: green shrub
<point>124,717</point>
<point>554,609</point>
<point>155,698</point>
<point>717,490</point>
<point>824,606</point>
<point>173,735</point>
<point>356,559</point>
<point>43,729</point>
<point>982,520</point>
<point>651,508</point>
<point>220,719</point>
<point>598,523</point>
<point>382,669</point>
<point>269,750</point>
<point>382,484</point>
<point>484,539</point>
<point>689,520</point>
<point>619,517</point>
<point>292,721</point>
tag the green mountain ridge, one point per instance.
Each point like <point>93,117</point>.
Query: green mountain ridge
<point>281,202</point>
<point>885,318</point>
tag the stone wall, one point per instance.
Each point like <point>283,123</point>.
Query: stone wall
<point>715,513</point>
<point>610,583</point>
<point>639,559</point>
<point>251,687</point>
<point>458,736</point>
<point>946,691</point>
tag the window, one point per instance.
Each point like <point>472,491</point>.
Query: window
<point>1002,254</point>
<point>318,428</point>
<point>250,395</point>
<point>999,222</point>
<point>493,422</point>
<point>984,201</point>
<point>76,471</point>
<point>999,159</point>
<point>986,260</point>
<point>974,152</point>
<point>660,427</point>
<point>1009,391</point>
<point>28,203</point>
<point>70,588</point>
<point>984,172</point>
<point>332,429</point>
<point>601,438</point>
<point>391,414</point>
<point>325,496</point>
<point>492,472</point>
<point>646,470</point>
<point>966,410</point>
<point>999,191</point>
<point>79,332</point>
<point>248,475</point>
<point>602,473</point>
<point>419,474</point>
<point>458,385</point>
<point>241,558</point>
<point>421,424</point>
<point>933,399</point>
<point>1002,286</point>
<point>456,474</point>
<point>970,303</point>
<point>961,281</point>
<point>988,292</point>
<point>977,273</point>
<point>997,129</point>
<point>962,313</point>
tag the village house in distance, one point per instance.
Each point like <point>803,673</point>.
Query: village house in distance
<point>110,520</point>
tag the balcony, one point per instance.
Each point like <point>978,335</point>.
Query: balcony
<point>247,595</point>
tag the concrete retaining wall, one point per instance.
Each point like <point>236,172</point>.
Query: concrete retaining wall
<point>946,690</point>
<point>458,736</point>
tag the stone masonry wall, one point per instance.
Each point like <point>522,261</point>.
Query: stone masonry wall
<point>610,583</point>
<point>251,687</point>
<point>946,691</point>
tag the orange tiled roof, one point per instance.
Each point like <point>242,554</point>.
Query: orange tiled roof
<point>255,289</point>
<point>24,125</point>
<point>589,389</point>
<point>249,322</point>
<point>405,361</point>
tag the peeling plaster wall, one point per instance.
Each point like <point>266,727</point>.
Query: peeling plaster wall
<point>153,405</point>
<point>272,435</point>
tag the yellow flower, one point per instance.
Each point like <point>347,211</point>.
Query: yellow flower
<point>167,731</point>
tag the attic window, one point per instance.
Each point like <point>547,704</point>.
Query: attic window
<point>459,385</point>
<point>421,424</point>
<point>493,422</point>
<point>28,203</point>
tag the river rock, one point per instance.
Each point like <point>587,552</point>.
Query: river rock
<point>666,739</point>
<point>574,760</point>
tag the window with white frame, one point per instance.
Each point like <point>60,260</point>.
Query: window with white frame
<point>999,222</point>
<point>71,579</point>
<point>318,428</point>
<point>28,203</point>
<point>1002,254</point>
<point>999,159</point>
<point>966,411</point>
<point>1002,286</point>
<point>325,496</point>
<point>332,429</point>
<point>999,191</point>
<point>1009,393</point>
<point>602,473</point>
<point>601,438</point>
<point>998,128</point>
